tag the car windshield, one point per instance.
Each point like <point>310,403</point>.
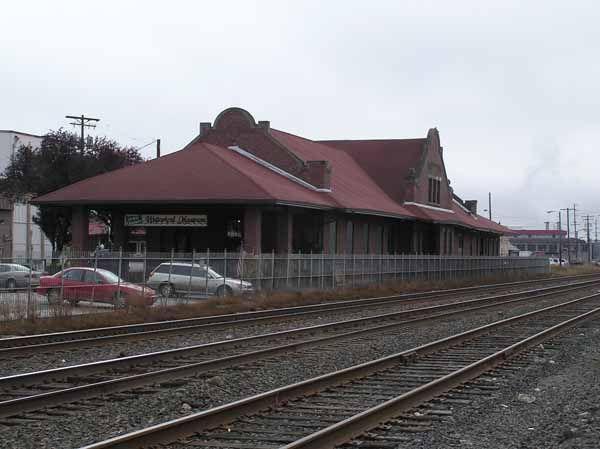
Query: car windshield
<point>213,273</point>
<point>109,276</point>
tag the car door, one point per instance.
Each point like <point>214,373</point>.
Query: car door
<point>199,280</point>
<point>72,282</point>
<point>94,289</point>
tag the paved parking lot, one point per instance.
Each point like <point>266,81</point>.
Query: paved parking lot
<point>23,304</point>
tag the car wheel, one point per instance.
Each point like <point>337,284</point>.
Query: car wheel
<point>224,290</point>
<point>167,290</point>
<point>11,284</point>
<point>74,303</point>
<point>119,300</point>
<point>53,296</point>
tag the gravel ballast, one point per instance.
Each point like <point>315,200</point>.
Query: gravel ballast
<point>126,412</point>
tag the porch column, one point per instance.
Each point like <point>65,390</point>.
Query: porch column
<point>79,228</point>
<point>285,223</point>
<point>252,230</point>
<point>118,230</point>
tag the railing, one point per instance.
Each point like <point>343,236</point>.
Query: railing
<point>229,273</point>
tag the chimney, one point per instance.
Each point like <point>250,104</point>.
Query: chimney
<point>157,148</point>
<point>318,173</point>
<point>204,128</point>
<point>472,206</point>
<point>264,124</point>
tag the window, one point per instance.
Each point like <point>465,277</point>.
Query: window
<point>234,228</point>
<point>199,272</point>
<point>181,270</point>
<point>435,185</point>
<point>4,268</point>
<point>73,275</point>
<point>91,277</point>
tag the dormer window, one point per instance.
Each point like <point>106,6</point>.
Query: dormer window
<point>435,184</point>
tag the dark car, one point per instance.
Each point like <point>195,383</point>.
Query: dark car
<point>89,284</point>
<point>13,275</point>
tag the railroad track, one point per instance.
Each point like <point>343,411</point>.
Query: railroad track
<point>22,394</point>
<point>25,345</point>
<point>333,409</point>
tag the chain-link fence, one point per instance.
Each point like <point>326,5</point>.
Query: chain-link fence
<point>92,282</point>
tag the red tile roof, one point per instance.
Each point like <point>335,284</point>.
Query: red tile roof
<point>351,187</point>
<point>362,180</point>
<point>200,173</point>
<point>386,161</point>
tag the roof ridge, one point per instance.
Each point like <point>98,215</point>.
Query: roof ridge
<point>216,153</point>
<point>414,139</point>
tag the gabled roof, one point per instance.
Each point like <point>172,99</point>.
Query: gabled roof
<point>201,173</point>
<point>367,176</point>
<point>386,161</point>
<point>351,187</point>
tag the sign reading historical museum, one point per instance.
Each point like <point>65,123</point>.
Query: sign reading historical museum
<point>166,220</point>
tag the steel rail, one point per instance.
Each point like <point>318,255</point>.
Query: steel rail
<point>20,345</point>
<point>37,377</point>
<point>34,402</point>
<point>346,430</point>
<point>173,430</point>
<point>63,339</point>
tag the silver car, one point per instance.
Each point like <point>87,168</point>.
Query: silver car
<point>13,275</point>
<point>173,278</point>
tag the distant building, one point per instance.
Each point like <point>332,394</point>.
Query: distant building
<point>546,242</point>
<point>16,218</point>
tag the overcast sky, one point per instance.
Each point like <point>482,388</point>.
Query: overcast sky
<point>512,86</point>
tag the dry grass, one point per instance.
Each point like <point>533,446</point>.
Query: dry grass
<point>573,270</point>
<point>62,320</point>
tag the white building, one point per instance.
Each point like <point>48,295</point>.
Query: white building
<point>16,219</point>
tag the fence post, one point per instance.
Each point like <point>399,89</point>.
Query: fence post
<point>353,270</point>
<point>322,270</point>
<point>207,263</point>
<point>287,271</point>
<point>96,269</point>
<point>299,267</point>
<point>119,277</point>
<point>170,271</point>
<point>191,273</point>
<point>145,284</point>
<point>27,314</point>
<point>311,269</point>
<point>273,269</point>
<point>62,279</point>
<point>241,269</point>
<point>224,271</point>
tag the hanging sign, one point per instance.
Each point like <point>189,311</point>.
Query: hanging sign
<point>166,220</point>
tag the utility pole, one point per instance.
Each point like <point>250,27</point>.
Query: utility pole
<point>490,205</point>
<point>157,148</point>
<point>83,122</point>
<point>575,231</point>
<point>587,226</point>
<point>568,235</point>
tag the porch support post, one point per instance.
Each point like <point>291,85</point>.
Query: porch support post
<point>118,230</point>
<point>252,230</point>
<point>79,228</point>
<point>285,226</point>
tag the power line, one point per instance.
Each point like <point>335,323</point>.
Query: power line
<point>83,122</point>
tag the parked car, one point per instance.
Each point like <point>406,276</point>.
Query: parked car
<point>89,284</point>
<point>556,261</point>
<point>13,275</point>
<point>172,278</point>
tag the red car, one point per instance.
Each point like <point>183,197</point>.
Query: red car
<point>89,284</point>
